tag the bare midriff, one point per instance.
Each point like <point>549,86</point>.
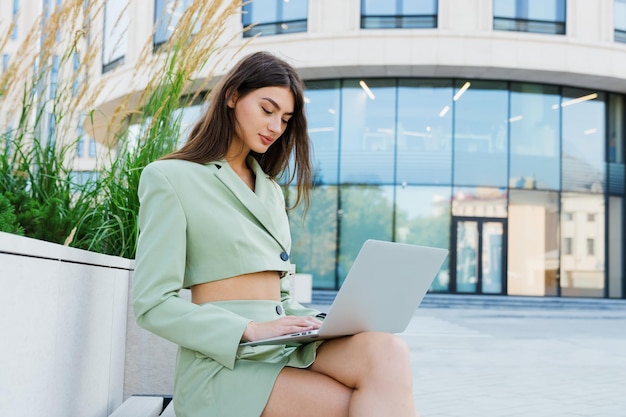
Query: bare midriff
<point>264,285</point>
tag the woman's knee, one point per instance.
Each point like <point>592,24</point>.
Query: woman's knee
<point>377,341</point>
<point>384,349</point>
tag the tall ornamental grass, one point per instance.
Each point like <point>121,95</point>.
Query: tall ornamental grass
<point>100,214</point>
<point>41,95</point>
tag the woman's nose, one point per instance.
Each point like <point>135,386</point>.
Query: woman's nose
<point>275,124</point>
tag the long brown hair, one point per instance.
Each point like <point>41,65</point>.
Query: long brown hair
<point>212,135</point>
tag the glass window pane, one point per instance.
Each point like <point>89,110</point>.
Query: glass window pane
<point>314,241</point>
<point>424,132</point>
<point>466,256</point>
<point>582,273</point>
<point>615,150</point>
<point>16,14</point>
<point>539,16</point>
<point>366,213</point>
<point>378,7</point>
<point>616,248</point>
<point>583,115</point>
<point>92,148</point>
<point>535,137</point>
<point>533,253</point>
<point>272,17</point>
<point>379,14</point>
<point>401,7</point>
<point>294,9</point>
<point>547,10</point>
<point>619,14</point>
<point>115,27</point>
<point>368,112</point>
<point>419,7</point>
<point>480,133</point>
<point>491,263</point>
<point>504,8</point>
<point>619,20</point>
<point>187,117</point>
<point>261,11</point>
<point>479,202</point>
<point>167,13</point>
<point>423,218</point>
<point>323,115</point>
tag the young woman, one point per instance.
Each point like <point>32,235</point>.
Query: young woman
<point>213,219</point>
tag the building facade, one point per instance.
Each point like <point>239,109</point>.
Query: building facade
<point>494,128</point>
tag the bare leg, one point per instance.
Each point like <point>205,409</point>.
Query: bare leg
<point>304,393</point>
<point>366,375</point>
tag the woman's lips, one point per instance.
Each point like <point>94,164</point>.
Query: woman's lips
<point>266,140</point>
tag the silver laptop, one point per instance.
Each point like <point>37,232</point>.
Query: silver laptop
<point>381,292</point>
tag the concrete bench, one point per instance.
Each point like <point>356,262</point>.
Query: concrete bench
<point>169,410</point>
<point>144,406</point>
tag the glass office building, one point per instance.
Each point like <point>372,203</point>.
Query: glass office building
<point>523,182</point>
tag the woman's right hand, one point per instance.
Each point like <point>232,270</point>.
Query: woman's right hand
<point>281,326</point>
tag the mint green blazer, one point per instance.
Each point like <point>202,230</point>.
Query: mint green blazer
<point>201,223</point>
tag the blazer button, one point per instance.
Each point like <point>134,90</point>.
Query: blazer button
<point>279,310</point>
<point>284,256</point>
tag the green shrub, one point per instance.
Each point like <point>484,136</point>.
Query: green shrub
<point>8,219</point>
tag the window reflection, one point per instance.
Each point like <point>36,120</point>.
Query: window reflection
<point>383,14</point>
<point>582,270</point>
<point>539,16</point>
<point>533,253</point>
<point>480,133</point>
<point>479,202</point>
<point>167,14</point>
<point>423,218</point>
<point>466,250</point>
<point>273,17</point>
<point>388,149</point>
<point>616,247</point>
<point>366,212</point>
<point>323,115</point>
<point>368,131</point>
<point>187,118</point>
<point>115,27</point>
<point>619,20</point>
<point>615,145</point>
<point>535,137</point>
<point>491,263</point>
<point>424,132</point>
<point>583,145</point>
<point>314,241</point>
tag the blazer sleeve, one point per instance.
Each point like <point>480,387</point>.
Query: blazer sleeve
<point>159,273</point>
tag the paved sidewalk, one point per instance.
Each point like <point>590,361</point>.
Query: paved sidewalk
<point>514,358</point>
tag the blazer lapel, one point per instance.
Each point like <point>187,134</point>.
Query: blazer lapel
<point>261,203</point>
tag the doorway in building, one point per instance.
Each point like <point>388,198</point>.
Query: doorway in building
<point>478,262</point>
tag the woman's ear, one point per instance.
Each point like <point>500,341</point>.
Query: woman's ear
<point>231,99</point>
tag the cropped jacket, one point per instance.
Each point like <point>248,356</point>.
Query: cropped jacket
<point>200,223</point>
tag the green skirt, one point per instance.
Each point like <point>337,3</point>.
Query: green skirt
<point>205,388</point>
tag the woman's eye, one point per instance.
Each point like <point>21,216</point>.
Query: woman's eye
<point>285,121</point>
<point>266,111</point>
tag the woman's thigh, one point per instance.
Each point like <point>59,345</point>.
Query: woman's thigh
<point>305,393</point>
<point>351,360</point>
<point>341,365</point>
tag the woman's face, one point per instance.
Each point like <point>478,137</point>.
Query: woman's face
<point>261,116</point>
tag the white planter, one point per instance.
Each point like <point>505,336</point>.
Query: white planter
<point>301,286</point>
<point>63,320</point>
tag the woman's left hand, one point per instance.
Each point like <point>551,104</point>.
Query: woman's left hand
<point>281,326</point>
